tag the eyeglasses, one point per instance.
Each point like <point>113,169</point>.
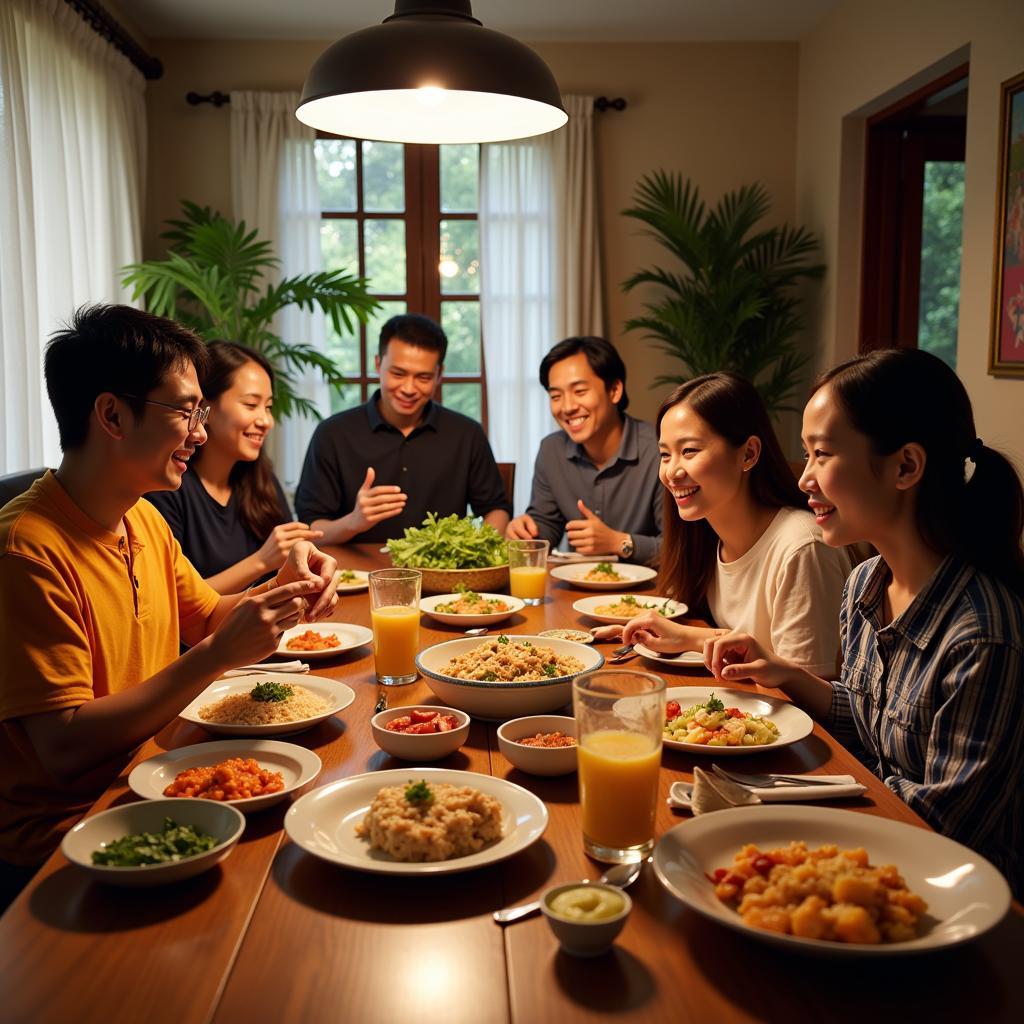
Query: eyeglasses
<point>196,417</point>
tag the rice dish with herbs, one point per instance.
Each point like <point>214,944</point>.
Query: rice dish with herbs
<point>506,661</point>
<point>241,709</point>
<point>420,822</point>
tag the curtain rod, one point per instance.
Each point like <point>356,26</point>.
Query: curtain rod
<point>218,99</point>
<point>105,25</point>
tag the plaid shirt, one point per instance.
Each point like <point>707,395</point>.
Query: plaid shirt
<point>935,702</point>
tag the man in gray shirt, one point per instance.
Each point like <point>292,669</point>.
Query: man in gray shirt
<point>596,479</point>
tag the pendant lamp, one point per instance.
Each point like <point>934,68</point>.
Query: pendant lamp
<point>431,73</point>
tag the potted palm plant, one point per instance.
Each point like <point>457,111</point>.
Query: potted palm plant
<point>733,303</point>
<point>218,279</point>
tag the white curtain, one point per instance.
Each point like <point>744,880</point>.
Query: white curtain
<point>72,171</point>
<point>274,190</point>
<point>541,275</point>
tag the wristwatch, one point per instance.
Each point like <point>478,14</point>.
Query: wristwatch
<point>627,547</point>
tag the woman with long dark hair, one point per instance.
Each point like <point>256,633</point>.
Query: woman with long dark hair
<point>739,545</point>
<point>931,693</point>
<point>230,514</point>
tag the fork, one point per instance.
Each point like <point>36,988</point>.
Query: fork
<point>622,653</point>
<point>764,781</point>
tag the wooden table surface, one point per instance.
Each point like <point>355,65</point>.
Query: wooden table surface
<point>275,934</point>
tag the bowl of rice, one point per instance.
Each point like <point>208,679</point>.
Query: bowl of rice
<point>503,677</point>
<point>267,704</point>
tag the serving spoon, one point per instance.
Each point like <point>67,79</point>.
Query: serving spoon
<point>621,875</point>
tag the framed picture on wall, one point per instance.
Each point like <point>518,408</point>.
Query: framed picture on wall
<point>1006,355</point>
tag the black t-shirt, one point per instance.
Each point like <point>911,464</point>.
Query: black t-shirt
<point>212,536</point>
<point>443,465</point>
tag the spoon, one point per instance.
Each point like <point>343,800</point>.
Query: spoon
<point>620,875</point>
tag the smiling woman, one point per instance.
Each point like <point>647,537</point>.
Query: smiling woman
<point>230,514</point>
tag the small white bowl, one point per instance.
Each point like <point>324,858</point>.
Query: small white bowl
<point>224,822</point>
<point>585,938</point>
<point>538,760</point>
<point>430,746</point>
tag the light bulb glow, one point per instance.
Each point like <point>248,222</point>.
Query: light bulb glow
<point>430,95</point>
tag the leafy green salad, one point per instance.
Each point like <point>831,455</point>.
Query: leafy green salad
<point>449,543</point>
<point>173,842</point>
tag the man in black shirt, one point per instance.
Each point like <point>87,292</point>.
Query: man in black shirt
<point>374,470</point>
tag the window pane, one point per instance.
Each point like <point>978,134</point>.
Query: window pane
<point>460,172</point>
<point>385,255</point>
<point>373,326</point>
<point>461,322</point>
<point>346,397</point>
<point>336,173</point>
<point>941,232</point>
<point>384,177</point>
<point>460,257</point>
<point>343,349</point>
<point>339,243</point>
<point>464,398</point>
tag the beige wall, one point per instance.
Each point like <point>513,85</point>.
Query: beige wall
<point>723,114</point>
<point>864,56</point>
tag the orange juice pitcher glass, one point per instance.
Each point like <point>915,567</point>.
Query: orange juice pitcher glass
<point>395,613</point>
<point>620,716</point>
<point>528,569</point>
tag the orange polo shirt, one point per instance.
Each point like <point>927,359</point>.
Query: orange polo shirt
<point>85,613</point>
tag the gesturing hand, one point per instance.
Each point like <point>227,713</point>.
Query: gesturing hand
<point>281,540</point>
<point>310,564</point>
<point>738,656</point>
<point>590,536</point>
<point>374,504</point>
<point>252,629</point>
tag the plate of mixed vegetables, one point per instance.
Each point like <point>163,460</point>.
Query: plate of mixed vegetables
<point>467,607</point>
<point>699,719</point>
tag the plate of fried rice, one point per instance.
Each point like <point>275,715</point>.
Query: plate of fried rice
<point>506,676</point>
<point>267,703</point>
<point>416,821</point>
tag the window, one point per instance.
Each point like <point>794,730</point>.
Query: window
<point>406,217</point>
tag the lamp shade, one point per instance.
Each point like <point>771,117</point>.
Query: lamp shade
<point>431,73</point>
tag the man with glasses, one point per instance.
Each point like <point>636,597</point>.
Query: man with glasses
<point>95,594</point>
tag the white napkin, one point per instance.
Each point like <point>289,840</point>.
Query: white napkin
<point>267,666</point>
<point>843,786</point>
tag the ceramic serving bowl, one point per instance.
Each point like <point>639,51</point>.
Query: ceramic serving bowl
<point>224,822</point>
<point>538,760</point>
<point>582,937</point>
<point>419,747</point>
<point>496,701</point>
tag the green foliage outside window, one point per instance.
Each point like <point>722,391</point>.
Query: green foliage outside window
<point>941,236</point>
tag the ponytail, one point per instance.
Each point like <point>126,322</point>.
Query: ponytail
<point>970,502</point>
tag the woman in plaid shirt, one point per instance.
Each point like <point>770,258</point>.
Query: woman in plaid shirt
<point>931,694</point>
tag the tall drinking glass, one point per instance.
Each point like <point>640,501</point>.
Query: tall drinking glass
<point>395,612</point>
<point>620,715</point>
<point>528,569</point>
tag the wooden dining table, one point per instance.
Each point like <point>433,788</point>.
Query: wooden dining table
<point>276,934</point>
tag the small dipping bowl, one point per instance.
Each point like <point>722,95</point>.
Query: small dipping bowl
<point>419,747</point>
<point>538,760</point>
<point>581,937</point>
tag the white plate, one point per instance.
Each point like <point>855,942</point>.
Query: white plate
<point>324,822</point>
<point>296,764</point>
<point>793,724</point>
<point>428,606</point>
<point>337,695</point>
<point>589,605</point>
<point>631,574</point>
<point>496,701</point>
<point>687,658</point>
<point>361,582</point>
<point>351,637</point>
<point>966,895</point>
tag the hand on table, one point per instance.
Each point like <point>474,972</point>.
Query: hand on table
<point>521,528</point>
<point>590,535</point>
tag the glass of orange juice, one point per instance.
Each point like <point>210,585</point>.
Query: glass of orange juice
<point>528,569</point>
<point>620,716</point>
<point>395,613</point>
